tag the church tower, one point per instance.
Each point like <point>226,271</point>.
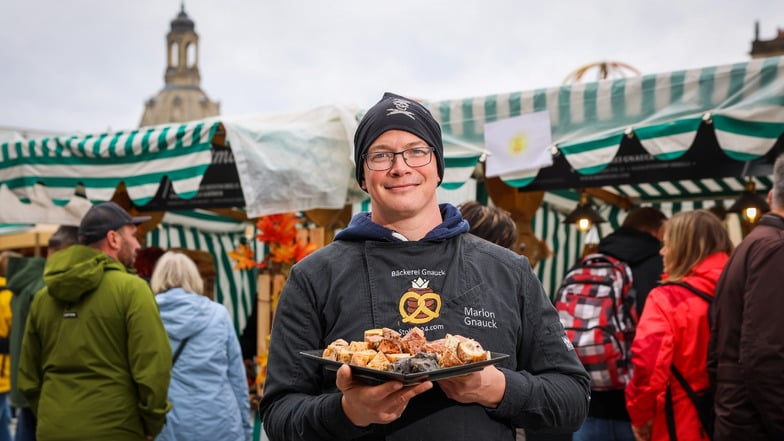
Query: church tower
<point>181,98</point>
<point>767,48</point>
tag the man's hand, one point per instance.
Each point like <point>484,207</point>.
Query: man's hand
<point>485,387</point>
<point>382,404</point>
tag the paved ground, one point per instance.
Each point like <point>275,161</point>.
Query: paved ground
<point>12,427</point>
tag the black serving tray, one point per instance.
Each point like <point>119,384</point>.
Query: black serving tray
<point>375,376</point>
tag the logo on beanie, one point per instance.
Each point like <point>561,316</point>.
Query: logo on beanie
<point>401,107</point>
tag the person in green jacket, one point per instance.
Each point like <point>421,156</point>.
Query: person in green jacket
<point>96,359</point>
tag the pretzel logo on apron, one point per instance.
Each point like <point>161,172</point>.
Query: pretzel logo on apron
<point>419,304</point>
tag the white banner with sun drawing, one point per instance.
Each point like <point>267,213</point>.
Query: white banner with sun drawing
<point>519,143</point>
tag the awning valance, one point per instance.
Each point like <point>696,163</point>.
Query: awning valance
<point>99,163</point>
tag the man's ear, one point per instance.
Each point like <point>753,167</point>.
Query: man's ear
<point>113,240</point>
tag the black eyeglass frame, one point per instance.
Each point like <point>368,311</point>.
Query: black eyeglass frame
<point>402,154</point>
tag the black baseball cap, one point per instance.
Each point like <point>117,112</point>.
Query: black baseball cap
<point>105,217</point>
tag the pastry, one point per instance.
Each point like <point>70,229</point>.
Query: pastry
<point>385,349</point>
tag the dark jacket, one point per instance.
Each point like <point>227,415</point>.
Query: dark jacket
<point>368,279</point>
<point>640,250</point>
<point>748,338</point>
<point>25,278</point>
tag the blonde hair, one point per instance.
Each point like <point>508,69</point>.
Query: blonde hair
<point>176,270</point>
<point>690,237</point>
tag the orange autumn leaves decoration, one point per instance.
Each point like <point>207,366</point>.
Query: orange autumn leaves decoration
<point>279,233</point>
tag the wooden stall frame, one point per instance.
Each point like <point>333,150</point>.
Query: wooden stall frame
<point>270,285</point>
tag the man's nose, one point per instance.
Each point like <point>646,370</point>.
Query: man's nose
<point>398,162</point>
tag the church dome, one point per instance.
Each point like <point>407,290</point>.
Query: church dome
<point>182,23</point>
<point>181,98</point>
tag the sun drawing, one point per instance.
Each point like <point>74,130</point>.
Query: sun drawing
<point>518,144</point>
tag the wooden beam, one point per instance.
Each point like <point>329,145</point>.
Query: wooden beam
<point>231,213</point>
<point>610,197</point>
<point>122,199</point>
<point>35,239</point>
<point>522,206</point>
<point>219,138</point>
<point>330,220</point>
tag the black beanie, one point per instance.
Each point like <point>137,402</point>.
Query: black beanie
<point>397,112</point>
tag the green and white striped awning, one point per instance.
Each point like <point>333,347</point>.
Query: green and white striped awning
<point>743,103</point>
<point>97,164</point>
<point>667,191</point>
<point>284,162</point>
<point>460,160</point>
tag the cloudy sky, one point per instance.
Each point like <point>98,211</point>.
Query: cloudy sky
<point>89,65</point>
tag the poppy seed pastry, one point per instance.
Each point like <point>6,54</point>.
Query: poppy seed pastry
<point>422,362</point>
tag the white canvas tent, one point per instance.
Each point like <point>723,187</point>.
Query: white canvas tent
<point>284,162</point>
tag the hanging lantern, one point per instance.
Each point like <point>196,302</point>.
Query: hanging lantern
<point>750,205</point>
<point>584,216</point>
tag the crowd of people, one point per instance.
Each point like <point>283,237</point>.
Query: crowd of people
<point>91,351</point>
<point>706,353</point>
<point>91,343</point>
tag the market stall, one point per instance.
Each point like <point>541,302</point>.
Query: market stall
<point>677,140</point>
<point>30,239</point>
<point>689,137</point>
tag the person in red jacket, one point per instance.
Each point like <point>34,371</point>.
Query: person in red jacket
<point>674,328</point>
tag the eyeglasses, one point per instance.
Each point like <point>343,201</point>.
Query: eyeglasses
<point>415,157</point>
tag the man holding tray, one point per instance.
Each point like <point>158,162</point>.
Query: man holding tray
<point>409,263</point>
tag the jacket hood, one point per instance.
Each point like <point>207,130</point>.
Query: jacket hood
<point>71,273</point>
<point>362,228</point>
<point>630,245</point>
<point>184,313</point>
<point>23,272</point>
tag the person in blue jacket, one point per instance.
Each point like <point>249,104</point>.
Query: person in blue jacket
<point>208,389</point>
<point>411,262</point>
